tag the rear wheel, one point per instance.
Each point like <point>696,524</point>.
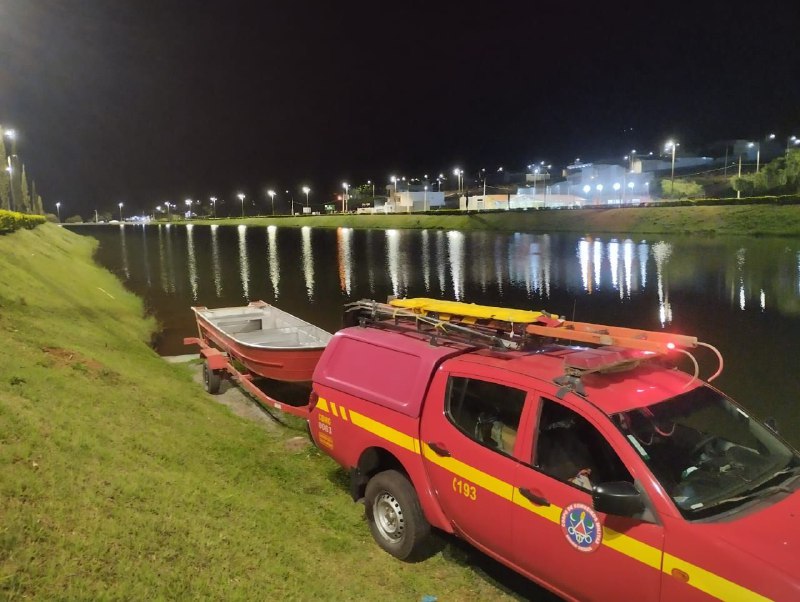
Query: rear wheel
<point>211,379</point>
<point>395,516</point>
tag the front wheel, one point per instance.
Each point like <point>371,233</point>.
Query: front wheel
<point>211,379</point>
<point>395,516</point>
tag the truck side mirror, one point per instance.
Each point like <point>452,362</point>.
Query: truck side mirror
<point>619,498</point>
<point>772,424</point>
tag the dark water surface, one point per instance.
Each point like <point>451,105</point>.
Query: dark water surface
<point>742,295</point>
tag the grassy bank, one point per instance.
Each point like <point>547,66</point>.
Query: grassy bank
<point>775,220</point>
<point>121,478</point>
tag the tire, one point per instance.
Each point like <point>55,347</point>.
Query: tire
<point>395,516</point>
<point>211,379</point>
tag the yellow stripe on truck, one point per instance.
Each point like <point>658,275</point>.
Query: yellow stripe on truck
<point>709,582</point>
<point>385,432</point>
<point>699,578</point>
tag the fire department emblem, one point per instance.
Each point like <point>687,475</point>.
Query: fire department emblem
<point>582,527</point>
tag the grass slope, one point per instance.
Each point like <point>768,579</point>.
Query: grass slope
<point>121,478</point>
<point>777,220</point>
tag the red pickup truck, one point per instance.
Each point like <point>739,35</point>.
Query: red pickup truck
<point>597,473</point>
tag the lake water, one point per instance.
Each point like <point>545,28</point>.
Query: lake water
<point>741,295</point>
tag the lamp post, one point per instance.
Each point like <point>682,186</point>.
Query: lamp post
<point>791,141</point>
<point>346,187</point>
<point>120,210</point>
<point>459,173</point>
<point>58,210</point>
<point>306,190</point>
<point>292,198</point>
<point>425,199</point>
<point>371,183</point>
<point>96,217</point>
<point>240,196</point>
<point>393,180</point>
<point>672,145</point>
<point>271,194</point>
<point>757,146</point>
<point>214,205</point>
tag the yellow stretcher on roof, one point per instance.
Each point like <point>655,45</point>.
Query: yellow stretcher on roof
<point>467,311</point>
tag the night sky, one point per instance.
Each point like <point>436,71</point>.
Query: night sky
<point>152,100</point>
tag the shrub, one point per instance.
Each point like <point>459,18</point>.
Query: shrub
<point>13,220</point>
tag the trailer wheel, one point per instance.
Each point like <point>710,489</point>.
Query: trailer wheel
<point>395,516</point>
<point>211,379</point>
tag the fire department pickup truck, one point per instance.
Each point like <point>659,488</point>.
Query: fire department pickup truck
<point>602,473</point>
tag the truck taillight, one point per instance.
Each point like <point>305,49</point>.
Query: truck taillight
<point>313,398</point>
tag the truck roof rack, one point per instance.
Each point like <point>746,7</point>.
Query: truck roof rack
<point>515,329</point>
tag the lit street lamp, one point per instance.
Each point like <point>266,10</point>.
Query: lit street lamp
<point>791,141</point>
<point>346,187</point>
<point>459,173</point>
<point>306,189</point>
<point>58,211</point>
<point>425,199</point>
<point>271,194</point>
<point>371,183</point>
<point>188,207</point>
<point>214,205</point>
<point>240,196</point>
<point>757,145</point>
<point>672,145</point>
<point>120,211</point>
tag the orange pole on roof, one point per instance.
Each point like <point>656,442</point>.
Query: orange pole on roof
<point>644,340</point>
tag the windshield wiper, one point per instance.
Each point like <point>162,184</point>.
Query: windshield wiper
<point>762,492</point>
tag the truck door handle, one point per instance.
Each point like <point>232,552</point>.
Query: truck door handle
<point>532,497</point>
<point>439,450</point>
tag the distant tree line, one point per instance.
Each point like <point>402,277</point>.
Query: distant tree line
<point>780,176</point>
<point>17,193</point>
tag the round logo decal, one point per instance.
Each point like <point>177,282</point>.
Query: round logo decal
<point>582,527</point>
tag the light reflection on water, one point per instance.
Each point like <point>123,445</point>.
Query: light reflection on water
<point>742,295</point>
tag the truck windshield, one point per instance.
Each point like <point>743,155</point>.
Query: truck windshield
<point>707,452</point>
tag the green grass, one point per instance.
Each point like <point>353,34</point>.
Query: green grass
<point>121,478</point>
<point>777,220</point>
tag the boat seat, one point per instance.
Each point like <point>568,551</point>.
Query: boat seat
<point>236,326</point>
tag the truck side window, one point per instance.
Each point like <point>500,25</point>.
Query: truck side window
<point>570,449</point>
<point>487,412</point>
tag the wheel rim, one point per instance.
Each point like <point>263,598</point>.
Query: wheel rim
<point>389,517</point>
<point>205,375</point>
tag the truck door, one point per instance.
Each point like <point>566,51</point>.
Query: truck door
<point>558,537</point>
<point>468,438</point>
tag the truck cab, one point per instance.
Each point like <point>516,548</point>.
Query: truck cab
<point>591,473</point>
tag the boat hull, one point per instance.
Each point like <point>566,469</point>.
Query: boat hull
<point>280,362</point>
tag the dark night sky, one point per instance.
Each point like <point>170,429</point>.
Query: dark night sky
<point>151,100</point>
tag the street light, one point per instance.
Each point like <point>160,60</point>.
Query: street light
<point>188,207</point>
<point>306,189</point>
<point>791,141</point>
<point>758,153</point>
<point>240,196</point>
<point>459,173</point>
<point>370,182</point>
<point>214,205</point>
<point>120,211</point>
<point>425,199</point>
<point>672,145</point>
<point>393,180</point>
<point>271,194</point>
<point>346,187</point>
<point>58,210</point>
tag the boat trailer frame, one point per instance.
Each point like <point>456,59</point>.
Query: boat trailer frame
<point>219,361</point>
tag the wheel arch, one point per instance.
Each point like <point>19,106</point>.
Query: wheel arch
<point>377,459</point>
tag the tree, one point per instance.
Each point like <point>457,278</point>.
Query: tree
<point>25,194</point>
<point>74,219</point>
<point>780,176</point>
<point>680,189</point>
<point>5,177</point>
